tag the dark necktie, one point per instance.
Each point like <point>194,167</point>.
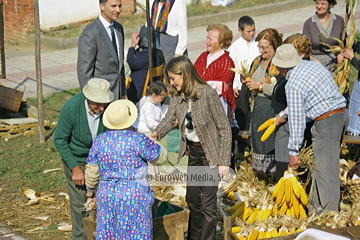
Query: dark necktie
<point>113,38</point>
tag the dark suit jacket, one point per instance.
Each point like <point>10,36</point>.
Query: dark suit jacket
<point>97,57</point>
<point>139,64</point>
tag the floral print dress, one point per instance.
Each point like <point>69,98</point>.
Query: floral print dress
<point>124,198</point>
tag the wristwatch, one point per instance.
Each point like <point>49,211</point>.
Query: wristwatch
<point>261,86</point>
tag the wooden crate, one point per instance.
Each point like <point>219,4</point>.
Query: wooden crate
<point>169,227</point>
<point>10,99</point>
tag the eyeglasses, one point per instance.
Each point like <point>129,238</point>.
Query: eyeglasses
<point>264,48</point>
<point>189,124</point>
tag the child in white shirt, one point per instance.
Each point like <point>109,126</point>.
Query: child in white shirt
<point>149,106</point>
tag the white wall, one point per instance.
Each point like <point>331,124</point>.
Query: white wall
<point>54,13</point>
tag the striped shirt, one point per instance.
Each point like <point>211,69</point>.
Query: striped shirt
<point>310,92</point>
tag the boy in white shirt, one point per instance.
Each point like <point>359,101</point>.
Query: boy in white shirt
<point>243,49</point>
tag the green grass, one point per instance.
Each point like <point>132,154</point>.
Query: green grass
<point>22,162</point>
<point>134,21</point>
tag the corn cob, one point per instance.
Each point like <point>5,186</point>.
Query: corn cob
<point>268,234</point>
<point>232,196</point>
<point>266,124</point>
<point>238,212</point>
<point>261,233</point>
<point>247,213</point>
<point>295,185</point>
<point>277,187</point>
<point>281,193</point>
<point>235,207</point>
<point>283,209</point>
<point>235,229</point>
<point>240,237</point>
<point>295,206</point>
<point>274,233</point>
<point>302,212</point>
<point>254,234</point>
<point>267,212</point>
<point>303,197</point>
<point>301,228</point>
<point>288,190</point>
<point>253,216</point>
<point>268,132</point>
<point>283,231</point>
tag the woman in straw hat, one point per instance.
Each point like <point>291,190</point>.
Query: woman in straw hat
<point>206,136</point>
<point>117,164</point>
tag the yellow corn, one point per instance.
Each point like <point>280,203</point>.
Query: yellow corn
<point>274,211</point>
<point>241,237</point>
<point>274,233</point>
<point>266,124</point>
<point>260,215</point>
<point>280,194</point>
<point>292,212</point>
<point>261,235</point>
<point>277,187</point>
<point>288,190</point>
<point>253,216</point>
<point>232,196</point>
<point>283,209</point>
<point>295,185</point>
<point>235,207</point>
<point>247,213</point>
<point>268,132</point>
<point>254,234</point>
<point>302,212</point>
<point>303,197</point>
<point>283,231</point>
<point>295,205</point>
<point>288,212</point>
<point>235,229</point>
<point>267,212</point>
<point>268,234</point>
<point>238,212</point>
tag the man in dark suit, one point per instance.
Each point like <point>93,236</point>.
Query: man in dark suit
<point>101,49</point>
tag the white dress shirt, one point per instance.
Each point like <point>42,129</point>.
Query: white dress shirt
<point>107,28</point>
<point>241,50</point>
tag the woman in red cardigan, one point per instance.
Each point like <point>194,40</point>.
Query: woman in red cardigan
<point>214,65</point>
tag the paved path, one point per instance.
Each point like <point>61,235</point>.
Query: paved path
<point>59,66</point>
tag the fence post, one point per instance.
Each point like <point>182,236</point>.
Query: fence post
<point>2,41</point>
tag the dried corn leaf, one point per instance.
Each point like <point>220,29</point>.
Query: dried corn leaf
<point>52,170</point>
<point>333,49</point>
<point>30,193</point>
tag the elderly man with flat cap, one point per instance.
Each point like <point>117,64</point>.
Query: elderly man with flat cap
<point>312,93</point>
<point>79,123</point>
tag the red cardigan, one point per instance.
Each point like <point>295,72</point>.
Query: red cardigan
<point>218,70</point>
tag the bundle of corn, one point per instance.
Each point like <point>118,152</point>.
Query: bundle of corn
<point>270,126</point>
<point>273,227</point>
<point>341,73</point>
<point>243,69</point>
<point>290,196</point>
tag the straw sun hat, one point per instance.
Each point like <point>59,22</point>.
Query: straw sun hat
<point>286,56</point>
<point>120,114</point>
<point>98,90</point>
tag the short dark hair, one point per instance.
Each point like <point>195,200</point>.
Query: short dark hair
<point>103,1</point>
<point>245,21</point>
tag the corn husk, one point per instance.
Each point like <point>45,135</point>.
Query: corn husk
<point>341,75</point>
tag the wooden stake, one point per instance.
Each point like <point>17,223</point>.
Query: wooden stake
<point>38,72</point>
